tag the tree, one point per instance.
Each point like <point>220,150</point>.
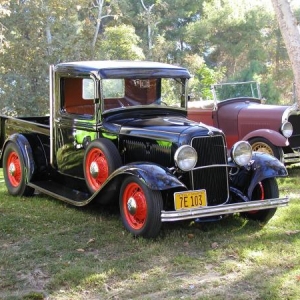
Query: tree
<point>291,35</point>
<point>100,6</point>
<point>119,42</point>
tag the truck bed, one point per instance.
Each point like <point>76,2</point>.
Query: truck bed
<point>11,125</point>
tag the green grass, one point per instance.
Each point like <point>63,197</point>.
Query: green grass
<point>52,250</point>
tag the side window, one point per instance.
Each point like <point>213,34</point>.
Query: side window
<point>88,89</point>
<point>75,99</point>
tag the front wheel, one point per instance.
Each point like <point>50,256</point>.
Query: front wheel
<point>140,208</point>
<point>14,171</point>
<point>265,146</point>
<point>266,189</point>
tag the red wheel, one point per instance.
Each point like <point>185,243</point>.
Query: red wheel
<point>100,160</point>
<point>134,206</point>
<point>140,208</point>
<point>14,171</point>
<point>266,189</point>
<point>13,167</point>
<point>96,161</point>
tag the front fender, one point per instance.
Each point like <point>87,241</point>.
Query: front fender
<point>154,176</point>
<point>273,136</point>
<point>265,166</point>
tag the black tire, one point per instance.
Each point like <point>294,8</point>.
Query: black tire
<point>263,145</point>
<point>266,189</point>
<point>140,208</point>
<point>14,171</point>
<point>100,160</point>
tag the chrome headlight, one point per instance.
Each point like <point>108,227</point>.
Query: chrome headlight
<point>185,158</point>
<point>287,129</point>
<point>241,153</point>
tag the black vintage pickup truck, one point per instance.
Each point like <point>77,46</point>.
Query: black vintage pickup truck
<point>118,132</point>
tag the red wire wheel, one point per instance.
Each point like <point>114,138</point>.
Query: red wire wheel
<point>140,208</point>
<point>14,171</point>
<point>100,160</point>
<point>265,189</point>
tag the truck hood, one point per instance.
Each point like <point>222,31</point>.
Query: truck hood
<point>164,128</point>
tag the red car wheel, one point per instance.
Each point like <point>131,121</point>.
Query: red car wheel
<point>14,171</point>
<point>266,189</point>
<point>140,208</point>
<point>100,160</point>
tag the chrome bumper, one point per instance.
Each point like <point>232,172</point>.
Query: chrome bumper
<point>208,211</point>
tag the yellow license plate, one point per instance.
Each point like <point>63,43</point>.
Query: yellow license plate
<point>190,199</point>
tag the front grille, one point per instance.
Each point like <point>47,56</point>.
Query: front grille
<point>214,179</point>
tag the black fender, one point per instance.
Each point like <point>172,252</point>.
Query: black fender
<point>22,142</point>
<point>154,176</point>
<point>265,166</point>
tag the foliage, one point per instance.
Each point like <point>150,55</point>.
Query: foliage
<point>230,40</point>
<point>120,42</point>
<point>204,77</point>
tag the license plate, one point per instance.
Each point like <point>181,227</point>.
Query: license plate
<point>190,199</point>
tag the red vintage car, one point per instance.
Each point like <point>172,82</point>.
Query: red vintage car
<point>240,111</point>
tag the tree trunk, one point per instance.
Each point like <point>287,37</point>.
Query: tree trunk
<point>99,18</point>
<point>291,36</point>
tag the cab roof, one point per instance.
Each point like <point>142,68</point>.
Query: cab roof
<point>122,69</point>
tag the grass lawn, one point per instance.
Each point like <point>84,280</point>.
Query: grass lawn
<point>50,250</point>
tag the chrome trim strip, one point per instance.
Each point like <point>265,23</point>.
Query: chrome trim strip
<point>215,166</point>
<point>51,104</point>
<point>209,211</point>
<point>291,110</point>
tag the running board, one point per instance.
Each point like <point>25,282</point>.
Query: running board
<point>61,192</point>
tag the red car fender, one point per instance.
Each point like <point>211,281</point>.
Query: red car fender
<point>274,137</point>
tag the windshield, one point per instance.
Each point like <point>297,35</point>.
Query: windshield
<point>158,92</point>
<point>225,91</point>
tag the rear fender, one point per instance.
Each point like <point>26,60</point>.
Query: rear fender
<point>274,137</point>
<point>26,150</point>
<point>265,166</point>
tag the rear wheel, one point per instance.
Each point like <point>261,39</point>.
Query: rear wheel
<point>100,160</point>
<point>140,208</point>
<point>14,171</point>
<point>266,189</point>
<point>263,145</point>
